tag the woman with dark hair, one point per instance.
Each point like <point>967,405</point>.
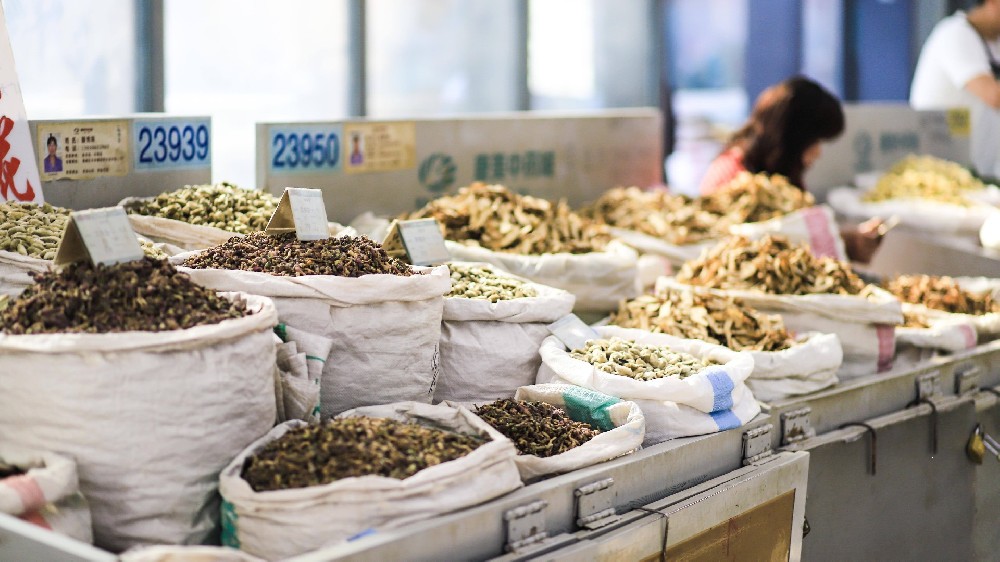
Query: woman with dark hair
<point>784,135</point>
<point>789,122</point>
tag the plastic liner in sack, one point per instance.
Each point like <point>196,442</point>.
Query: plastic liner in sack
<point>622,425</point>
<point>15,271</point>
<point>301,358</point>
<point>651,245</point>
<point>47,494</point>
<point>865,326</point>
<point>489,349</point>
<point>282,523</point>
<point>714,399</point>
<point>816,226</point>
<point>150,417</point>
<point>946,332</point>
<point>808,366</point>
<point>598,280</point>
<point>385,328</point>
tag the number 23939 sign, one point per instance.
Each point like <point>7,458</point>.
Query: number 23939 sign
<point>169,144</point>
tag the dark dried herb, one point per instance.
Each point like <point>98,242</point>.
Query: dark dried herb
<point>284,254</point>
<point>144,295</point>
<point>8,470</point>
<point>536,428</point>
<point>318,454</point>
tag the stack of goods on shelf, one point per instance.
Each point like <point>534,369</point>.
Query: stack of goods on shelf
<point>783,365</point>
<point>150,382</point>
<point>811,294</point>
<point>493,324</point>
<point>539,240</point>
<point>383,316</point>
<point>303,486</point>
<point>683,387</point>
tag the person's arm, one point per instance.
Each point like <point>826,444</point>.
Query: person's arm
<point>861,241</point>
<point>986,88</point>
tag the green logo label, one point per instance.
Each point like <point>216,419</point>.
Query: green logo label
<point>437,172</point>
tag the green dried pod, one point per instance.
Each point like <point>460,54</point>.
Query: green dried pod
<point>31,230</point>
<point>536,428</point>
<point>318,454</point>
<point>146,295</point>
<point>224,205</point>
<point>641,362</point>
<point>478,282</point>
<point>284,254</point>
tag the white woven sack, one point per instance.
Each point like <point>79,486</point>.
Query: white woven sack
<point>164,553</point>
<point>865,326</point>
<point>987,325</point>
<point>926,215</point>
<point>669,420</point>
<point>177,233</point>
<point>772,390</point>
<point>149,417</point>
<point>816,226</point>
<point>989,234</point>
<point>489,349</point>
<point>809,365</point>
<point>385,328</point>
<point>598,280</point>
<point>282,523</point>
<point>622,425</point>
<point>708,391</point>
<point>947,332</point>
<point>675,254</point>
<point>15,271</point>
<point>47,495</point>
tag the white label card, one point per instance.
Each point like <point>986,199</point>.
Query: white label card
<point>573,332</point>
<point>308,213</point>
<point>423,242</point>
<point>107,235</point>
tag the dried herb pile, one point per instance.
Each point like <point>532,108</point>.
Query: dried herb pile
<point>773,265</point>
<point>504,221</point>
<point>32,230</point>
<point>477,282</point>
<point>712,318</point>
<point>318,454</point>
<point>941,293</point>
<point>641,362</point>
<point>926,177</point>
<point>284,254</point>
<point>145,295</point>
<point>224,205</point>
<point>536,428</point>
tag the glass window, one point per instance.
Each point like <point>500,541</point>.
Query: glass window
<point>586,54</point>
<point>432,57</point>
<point>73,58</point>
<point>243,62</point>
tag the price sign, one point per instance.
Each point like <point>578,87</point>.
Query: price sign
<point>172,144</point>
<point>304,148</point>
<point>301,210</point>
<point>572,331</point>
<point>103,235</point>
<point>418,241</point>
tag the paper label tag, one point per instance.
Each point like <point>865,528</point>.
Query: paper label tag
<point>572,331</point>
<point>419,242</point>
<point>172,144</point>
<point>82,150</point>
<point>103,235</point>
<point>301,211</point>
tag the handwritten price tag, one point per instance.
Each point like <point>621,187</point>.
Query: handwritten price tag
<point>302,211</point>
<point>418,241</point>
<point>105,235</point>
<point>572,331</point>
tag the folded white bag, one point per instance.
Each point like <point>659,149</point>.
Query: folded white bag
<point>47,494</point>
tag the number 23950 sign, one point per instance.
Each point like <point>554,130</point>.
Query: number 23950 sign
<point>304,148</point>
<point>165,144</point>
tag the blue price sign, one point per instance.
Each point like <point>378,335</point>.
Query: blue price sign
<point>170,144</point>
<point>304,148</point>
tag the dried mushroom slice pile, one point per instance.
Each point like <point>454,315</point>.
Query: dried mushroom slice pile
<point>146,295</point>
<point>725,321</point>
<point>773,265</point>
<point>640,362</point>
<point>483,283</point>
<point>32,230</point>
<point>941,293</point>
<point>926,177</point>
<point>680,220</point>
<point>536,428</point>
<point>318,454</point>
<point>224,206</point>
<point>915,320</point>
<point>284,254</point>
<point>501,220</point>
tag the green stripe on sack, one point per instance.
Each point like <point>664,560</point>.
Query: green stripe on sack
<point>282,333</point>
<point>230,534</point>
<point>314,358</point>
<point>589,406</point>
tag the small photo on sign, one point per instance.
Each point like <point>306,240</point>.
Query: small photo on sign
<point>357,156</point>
<point>50,155</point>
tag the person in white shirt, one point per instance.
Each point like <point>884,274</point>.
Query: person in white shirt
<point>958,67</point>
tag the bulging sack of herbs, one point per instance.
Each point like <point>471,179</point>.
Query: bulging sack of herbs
<point>149,381</point>
<point>933,329</point>
<point>683,387</point>
<point>383,316</point>
<point>304,486</point>
<point>493,324</point>
<point>972,300</point>
<point>812,294</point>
<point>42,488</point>
<point>559,428</point>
